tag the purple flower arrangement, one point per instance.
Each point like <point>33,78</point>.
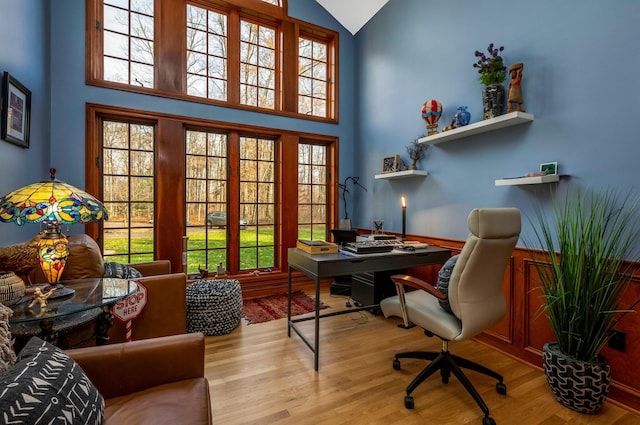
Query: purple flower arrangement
<point>491,67</point>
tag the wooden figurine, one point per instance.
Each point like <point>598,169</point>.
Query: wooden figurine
<point>515,90</point>
<point>40,298</point>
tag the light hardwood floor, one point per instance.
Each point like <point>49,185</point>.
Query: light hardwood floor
<point>258,375</point>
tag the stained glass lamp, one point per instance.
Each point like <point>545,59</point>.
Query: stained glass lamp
<point>53,203</point>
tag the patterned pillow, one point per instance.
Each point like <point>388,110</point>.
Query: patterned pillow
<point>46,386</point>
<point>121,271</point>
<point>443,282</point>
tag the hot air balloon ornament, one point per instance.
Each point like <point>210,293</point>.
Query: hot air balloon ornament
<point>431,113</point>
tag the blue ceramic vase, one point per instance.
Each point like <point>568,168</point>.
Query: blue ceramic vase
<point>462,117</point>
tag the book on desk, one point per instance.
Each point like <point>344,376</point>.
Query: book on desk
<point>316,246</point>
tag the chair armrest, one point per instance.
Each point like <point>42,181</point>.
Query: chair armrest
<point>153,268</point>
<point>165,313</point>
<point>417,283</point>
<point>125,368</point>
<point>402,280</point>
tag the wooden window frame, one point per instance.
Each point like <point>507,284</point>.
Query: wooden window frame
<point>170,182</point>
<point>170,54</point>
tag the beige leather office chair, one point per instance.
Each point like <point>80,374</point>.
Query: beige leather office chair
<point>474,294</point>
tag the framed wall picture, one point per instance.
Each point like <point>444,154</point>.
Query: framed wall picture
<point>390,164</point>
<point>550,168</point>
<point>16,111</point>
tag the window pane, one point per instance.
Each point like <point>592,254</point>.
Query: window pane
<point>141,137</point>
<point>198,40</point>
<point>116,70</point>
<point>305,86</point>
<point>312,77</point>
<point>116,162</point>
<point>141,163</point>
<point>206,53</point>
<point>249,74</point>
<point>128,190</point>
<point>257,65</point>
<point>116,19</point>
<point>118,3</point>
<point>116,45</point>
<point>312,192</point>
<point>257,201</point>
<point>206,198</point>
<point>217,89</point>
<point>217,45</point>
<point>128,38</point>
<point>196,85</point>
<point>142,51</point>
<point>142,6</point>
<point>142,26</point>
<point>142,75</point>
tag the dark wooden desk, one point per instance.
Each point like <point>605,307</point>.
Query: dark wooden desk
<point>322,266</point>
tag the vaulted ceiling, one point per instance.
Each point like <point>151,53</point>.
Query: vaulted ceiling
<point>353,14</point>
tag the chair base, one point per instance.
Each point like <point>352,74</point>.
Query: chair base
<point>447,363</point>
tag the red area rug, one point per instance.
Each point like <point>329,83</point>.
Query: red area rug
<point>259,310</point>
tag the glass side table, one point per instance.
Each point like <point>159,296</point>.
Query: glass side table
<point>72,321</point>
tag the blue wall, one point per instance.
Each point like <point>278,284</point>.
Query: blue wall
<point>580,81</point>
<point>24,53</point>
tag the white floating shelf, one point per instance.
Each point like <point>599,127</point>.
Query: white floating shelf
<point>502,121</point>
<point>552,178</point>
<point>402,174</point>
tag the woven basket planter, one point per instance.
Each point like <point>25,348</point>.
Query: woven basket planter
<point>578,385</point>
<point>11,288</point>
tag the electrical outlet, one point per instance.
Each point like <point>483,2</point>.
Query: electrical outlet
<point>618,341</point>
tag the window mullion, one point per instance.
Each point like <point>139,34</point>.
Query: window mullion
<point>233,202</point>
<point>289,70</point>
<point>233,67</point>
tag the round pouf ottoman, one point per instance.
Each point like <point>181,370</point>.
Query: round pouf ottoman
<point>214,306</point>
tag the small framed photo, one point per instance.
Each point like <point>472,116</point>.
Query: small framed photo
<point>549,168</point>
<point>16,111</point>
<point>390,164</point>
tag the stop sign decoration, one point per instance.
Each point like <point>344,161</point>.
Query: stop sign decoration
<point>130,307</point>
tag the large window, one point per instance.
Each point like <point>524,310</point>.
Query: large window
<point>128,41</point>
<point>257,65</point>
<point>206,196</point>
<point>245,54</point>
<point>312,77</point>
<point>242,195</point>
<point>128,191</point>
<point>206,53</point>
<point>313,210</point>
<point>257,202</point>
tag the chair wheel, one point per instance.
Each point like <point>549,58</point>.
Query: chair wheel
<point>396,364</point>
<point>501,388</point>
<point>488,421</point>
<point>445,374</point>
<point>408,402</point>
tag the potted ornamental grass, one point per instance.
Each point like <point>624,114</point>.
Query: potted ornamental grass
<point>588,245</point>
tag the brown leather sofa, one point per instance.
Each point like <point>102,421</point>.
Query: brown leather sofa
<point>154,381</point>
<point>166,309</point>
